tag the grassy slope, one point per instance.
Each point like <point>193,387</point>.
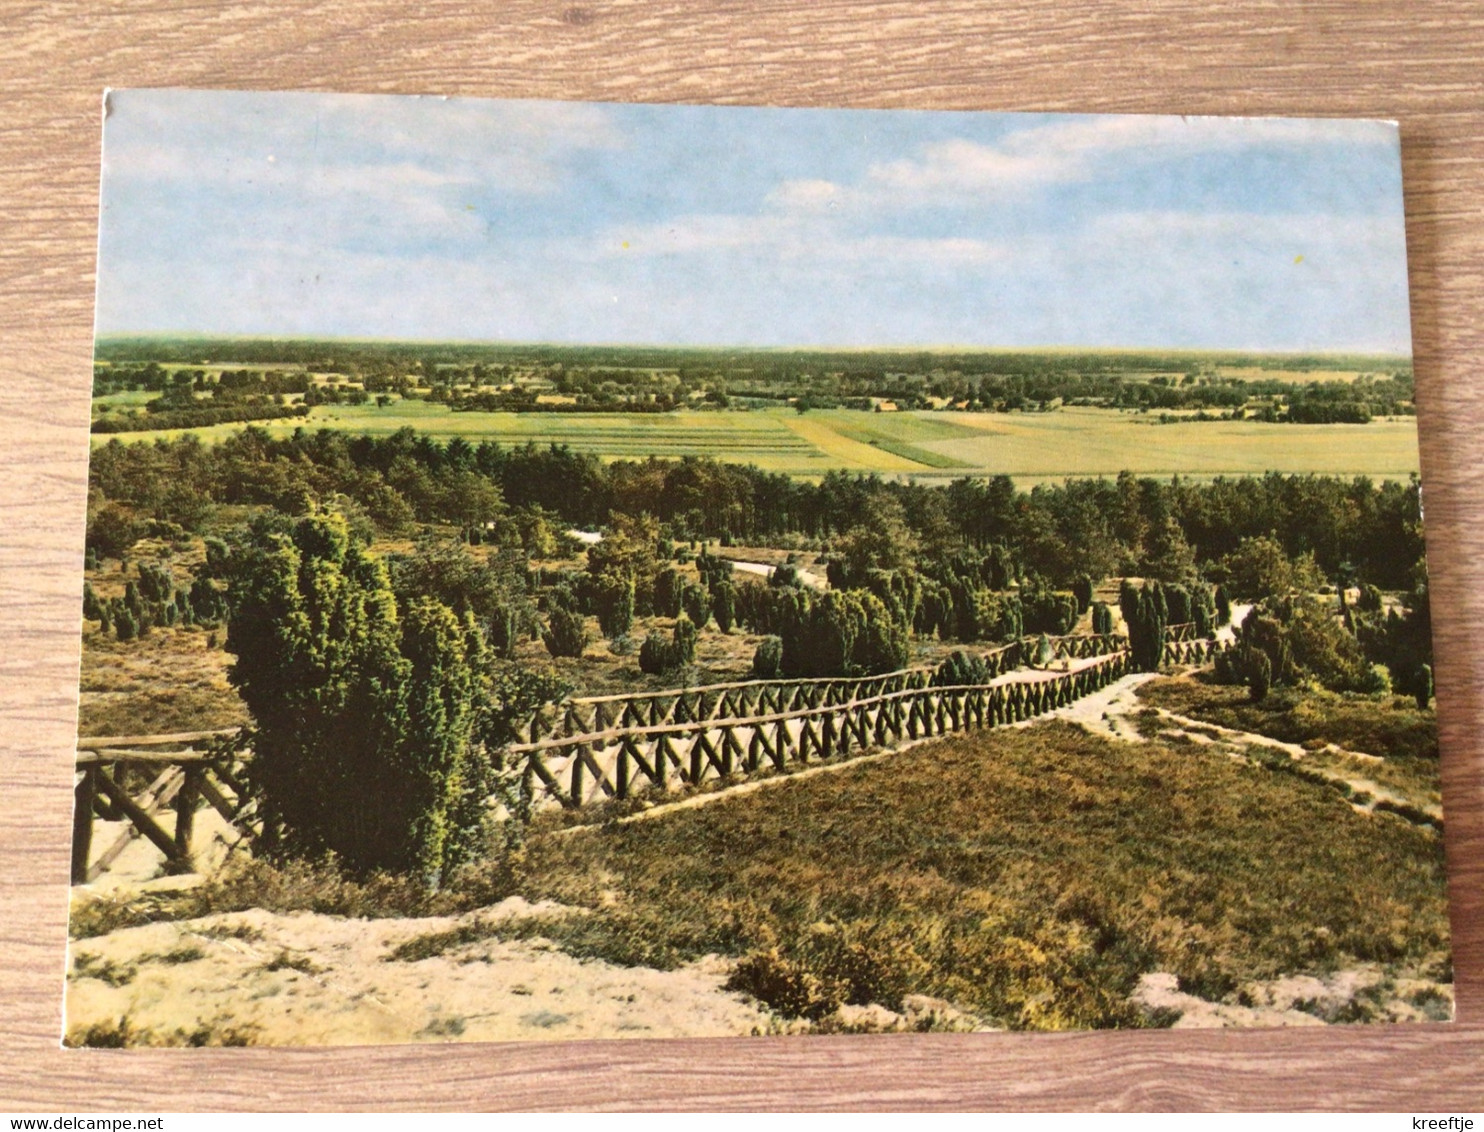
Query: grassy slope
<point>1390,727</point>
<point>1028,875</point>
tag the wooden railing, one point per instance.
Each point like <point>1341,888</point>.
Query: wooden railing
<point>589,714</point>
<point>575,769</point>
<point>608,746</point>
<point>1197,650</point>
<point>184,776</point>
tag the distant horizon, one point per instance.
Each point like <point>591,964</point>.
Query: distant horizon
<point>926,348</point>
<point>369,217</point>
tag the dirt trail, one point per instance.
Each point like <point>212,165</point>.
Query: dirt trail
<point>1117,709</point>
<point>1108,711</point>
<point>762,569</point>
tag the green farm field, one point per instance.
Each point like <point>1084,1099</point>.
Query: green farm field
<point>1031,447</point>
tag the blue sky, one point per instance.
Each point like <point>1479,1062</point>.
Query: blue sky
<point>430,218</point>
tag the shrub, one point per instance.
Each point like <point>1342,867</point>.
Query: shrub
<point>684,641</point>
<point>565,634</point>
<point>1045,610</point>
<point>1259,676</point>
<point>934,610</point>
<point>1145,614</point>
<point>842,633</point>
<point>695,601</point>
<point>1177,604</point>
<point>786,986</point>
<point>785,575</point>
<point>112,530</point>
<point>504,631</point>
<point>979,614</point>
<point>1082,591</point>
<point>1223,607</point>
<point>657,655</point>
<point>362,712</point>
<point>1102,619</point>
<point>124,625</point>
<point>654,655</point>
<point>884,645</point>
<point>208,604</point>
<point>960,669</point>
<point>667,588</point>
<point>724,606</point>
<point>767,661</point>
<point>613,596</point>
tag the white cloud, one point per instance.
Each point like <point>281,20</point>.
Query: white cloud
<point>807,195</point>
<point>1074,151</point>
<point>788,237</point>
<point>344,141</point>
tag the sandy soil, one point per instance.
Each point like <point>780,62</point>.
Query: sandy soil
<point>1302,1000</point>
<point>306,979</point>
<point>762,569</point>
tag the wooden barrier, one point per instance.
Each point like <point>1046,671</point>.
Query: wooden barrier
<point>590,714</point>
<point>575,769</point>
<point>185,778</point>
<point>605,746</point>
<point>1198,650</point>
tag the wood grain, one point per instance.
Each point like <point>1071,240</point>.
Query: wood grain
<point>1414,60</point>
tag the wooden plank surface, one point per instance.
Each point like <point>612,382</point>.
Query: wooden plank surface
<point>1418,61</point>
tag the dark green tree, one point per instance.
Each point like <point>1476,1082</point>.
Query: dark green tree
<point>1102,619</point>
<point>565,634</point>
<point>1146,615</point>
<point>92,608</point>
<point>667,589</point>
<point>362,713</point>
<point>1223,607</point>
<point>767,661</point>
<point>613,596</point>
<point>724,605</point>
<point>1082,591</point>
<point>696,602</point>
<point>1259,676</point>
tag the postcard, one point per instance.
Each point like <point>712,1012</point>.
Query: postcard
<point>561,570</point>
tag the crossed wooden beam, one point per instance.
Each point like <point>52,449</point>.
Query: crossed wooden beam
<point>185,777</point>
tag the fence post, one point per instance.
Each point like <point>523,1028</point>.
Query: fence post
<point>82,823</point>
<point>185,815</point>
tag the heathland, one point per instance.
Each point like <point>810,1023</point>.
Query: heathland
<point>385,562</point>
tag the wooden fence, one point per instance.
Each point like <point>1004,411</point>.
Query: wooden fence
<point>609,746</point>
<point>574,769</point>
<point>137,778</point>
<point>1195,650</point>
<point>586,715</point>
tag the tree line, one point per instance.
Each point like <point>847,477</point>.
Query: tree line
<point>1351,528</point>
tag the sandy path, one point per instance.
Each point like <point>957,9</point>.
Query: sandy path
<point>762,569</point>
<point>306,979</point>
<point>1112,711</point>
<point>1108,711</point>
<point>1227,634</point>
